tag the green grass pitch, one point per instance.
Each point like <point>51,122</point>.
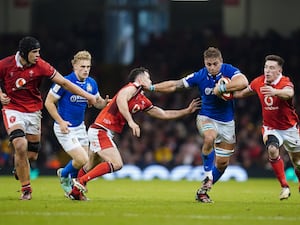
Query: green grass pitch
<point>157,202</point>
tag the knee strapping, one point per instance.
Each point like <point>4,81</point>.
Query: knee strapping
<point>34,146</point>
<point>223,152</point>
<point>15,134</point>
<point>272,141</point>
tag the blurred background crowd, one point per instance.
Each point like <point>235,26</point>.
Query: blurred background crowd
<point>168,54</point>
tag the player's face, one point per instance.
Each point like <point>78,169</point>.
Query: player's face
<point>33,56</point>
<point>272,70</point>
<point>213,65</point>
<point>82,69</point>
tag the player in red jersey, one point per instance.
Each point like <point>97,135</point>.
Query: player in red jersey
<point>20,78</point>
<point>280,121</point>
<point>129,100</point>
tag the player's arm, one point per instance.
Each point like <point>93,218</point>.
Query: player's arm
<point>174,114</point>
<point>238,82</point>
<point>166,86</point>
<point>101,102</point>
<point>243,93</point>
<point>4,98</point>
<point>284,93</point>
<point>50,104</point>
<point>123,97</point>
<point>68,85</point>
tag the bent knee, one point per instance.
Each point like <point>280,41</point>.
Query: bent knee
<point>273,151</point>
<point>117,165</point>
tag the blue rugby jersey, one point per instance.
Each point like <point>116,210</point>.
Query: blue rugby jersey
<point>212,106</point>
<point>72,107</point>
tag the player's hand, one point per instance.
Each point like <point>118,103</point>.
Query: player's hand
<point>4,99</point>
<point>107,99</point>
<point>216,90</point>
<point>64,127</point>
<point>136,131</point>
<point>268,90</point>
<point>194,105</point>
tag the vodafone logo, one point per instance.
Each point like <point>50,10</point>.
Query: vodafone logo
<point>268,100</point>
<point>136,108</point>
<point>20,82</point>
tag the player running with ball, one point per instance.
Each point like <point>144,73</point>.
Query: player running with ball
<point>215,120</point>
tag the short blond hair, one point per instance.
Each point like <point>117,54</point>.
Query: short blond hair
<point>212,52</point>
<point>81,55</point>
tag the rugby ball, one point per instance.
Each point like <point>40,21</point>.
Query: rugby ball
<point>227,95</point>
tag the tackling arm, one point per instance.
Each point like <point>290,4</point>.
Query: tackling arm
<point>167,86</point>
<point>174,114</point>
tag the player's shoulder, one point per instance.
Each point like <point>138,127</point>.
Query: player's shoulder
<point>8,61</point>
<point>91,79</point>
<point>286,81</point>
<point>285,78</point>
<point>226,67</point>
<point>260,78</point>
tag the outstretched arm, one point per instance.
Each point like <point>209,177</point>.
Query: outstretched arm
<point>174,114</point>
<point>243,93</point>
<point>101,102</point>
<point>166,86</point>
<point>68,85</point>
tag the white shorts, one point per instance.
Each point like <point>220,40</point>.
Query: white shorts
<point>289,138</point>
<point>30,122</point>
<point>76,137</point>
<point>100,139</point>
<point>225,130</point>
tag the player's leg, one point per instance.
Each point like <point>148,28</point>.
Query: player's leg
<point>272,143</point>
<point>292,145</point>
<point>94,159</point>
<point>225,144</point>
<point>223,153</point>
<point>22,166</point>
<point>102,144</point>
<point>73,147</point>
<point>208,132</point>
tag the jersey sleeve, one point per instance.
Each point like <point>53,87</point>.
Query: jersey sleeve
<point>148,103</point>
<point>46,69</point>
<point>57,91</point>
<point>191,79</point>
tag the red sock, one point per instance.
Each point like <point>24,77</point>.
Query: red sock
<point>81,172</point>
<point>97,171</point>
<point>278,168</point>
<point>26,187</point>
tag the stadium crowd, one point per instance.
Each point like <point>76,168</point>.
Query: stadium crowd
<point>174,142</point>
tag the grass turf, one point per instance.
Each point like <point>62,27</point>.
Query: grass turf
<point>127,202</point>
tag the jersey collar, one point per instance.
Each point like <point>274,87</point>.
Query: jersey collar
<point>18,61</point>
<point>275,81</point>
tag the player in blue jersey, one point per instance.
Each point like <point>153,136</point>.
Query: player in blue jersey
<point>215,120</point>
<point>68,111</point>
